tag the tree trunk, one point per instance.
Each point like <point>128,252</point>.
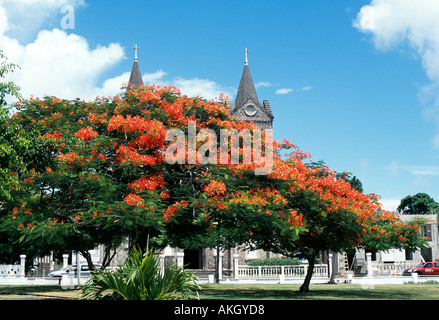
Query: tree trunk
<point>87,257</point>
<point>108,257</point>
<point>304,288</point>
<point>140,240</point>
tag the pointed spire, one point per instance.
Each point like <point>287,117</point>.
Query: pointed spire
<point>135,77</point>
<point>246,87</point>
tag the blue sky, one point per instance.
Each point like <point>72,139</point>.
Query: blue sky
<point>355,83</point>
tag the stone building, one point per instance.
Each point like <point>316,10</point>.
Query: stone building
<point>393,261</point>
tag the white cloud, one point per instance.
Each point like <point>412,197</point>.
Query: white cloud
<point>60,64</point>
<point>394,22</point>
<point>414,27</point>
<point>390,204</point>
<point>28,17</point>
<point>55,62</point>
<point>113,86</point>
<point>264,84</point>
<point>306,88</point>
<point>152,78</point>
<point>423,170</point>
<point>192,87</point>
<point>4,25</point>
<point>284,91</point>
<point>395,168</point>
<point>204,88</point>
<point>288,90</point>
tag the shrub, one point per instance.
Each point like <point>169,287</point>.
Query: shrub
<point>140,278</point>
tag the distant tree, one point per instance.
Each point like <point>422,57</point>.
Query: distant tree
<point>346,176</point>
<point>353,180</point>
<point>420,203</point>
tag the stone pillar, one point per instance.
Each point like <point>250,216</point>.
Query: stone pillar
<point>65,260</point>
<point>22,264</point>
<point>236,265</point>
<point>369,264</point>
<point>180,259</point>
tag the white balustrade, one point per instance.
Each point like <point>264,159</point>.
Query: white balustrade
<point>320,270</point>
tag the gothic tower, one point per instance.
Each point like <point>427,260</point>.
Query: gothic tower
<point>247,106</point>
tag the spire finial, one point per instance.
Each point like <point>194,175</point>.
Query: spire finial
<point>135,51</point>
<point>246,58</point>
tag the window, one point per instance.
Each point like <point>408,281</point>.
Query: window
<point>426,232</point>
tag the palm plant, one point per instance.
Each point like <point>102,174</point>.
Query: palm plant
<point>141,278</point>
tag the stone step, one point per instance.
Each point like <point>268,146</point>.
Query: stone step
<point>201,273</point>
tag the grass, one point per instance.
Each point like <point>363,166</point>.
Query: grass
<point>37,293</point>
<point>322,292</point>
<point>257,292</point>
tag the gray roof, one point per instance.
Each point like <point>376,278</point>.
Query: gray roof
<point>136,76</point>
<point>246,88</point>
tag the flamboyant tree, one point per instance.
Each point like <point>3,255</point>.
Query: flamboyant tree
<point>150,165</point>
<point>301,210</point>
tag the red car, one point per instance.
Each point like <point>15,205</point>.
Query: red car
<point>424,268</point>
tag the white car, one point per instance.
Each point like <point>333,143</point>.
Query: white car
<point>71,270</point>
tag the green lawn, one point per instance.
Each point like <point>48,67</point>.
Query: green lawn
<point>321,292</point>
<point>36,293</point>
<point>258,292</point>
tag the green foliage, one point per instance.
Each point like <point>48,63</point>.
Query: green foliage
<point>140,278</point>
<point>420,203</point>
<point>7,88</point>
<point>20,152</point>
